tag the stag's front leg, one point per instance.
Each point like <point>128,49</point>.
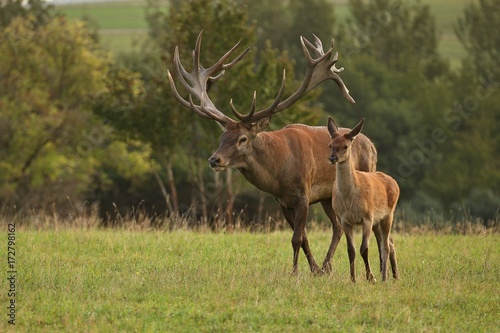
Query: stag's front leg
<point>336,235</point>
<point>297,217</point>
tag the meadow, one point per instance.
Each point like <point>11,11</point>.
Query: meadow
<point>123,280</point>
<point>122,24</point>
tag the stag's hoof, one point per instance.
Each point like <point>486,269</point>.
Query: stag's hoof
<point>327,268</point>
<point>370,278</point>
<point>317,271</point>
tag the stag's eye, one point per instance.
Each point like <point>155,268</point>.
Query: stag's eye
<point>243,139</point>
<point>345,147</point>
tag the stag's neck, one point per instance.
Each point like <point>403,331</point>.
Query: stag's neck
<point>262,166</point>
<point>346,180</point>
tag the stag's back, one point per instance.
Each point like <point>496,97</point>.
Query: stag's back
<point>311,148</point>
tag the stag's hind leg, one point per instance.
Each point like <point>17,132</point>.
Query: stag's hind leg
<point>336,234</point>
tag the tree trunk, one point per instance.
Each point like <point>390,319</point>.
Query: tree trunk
<point>219,206</point>
<point>164,192</point>
<point>230,198</point>
<point>173,188</point>
<point>203,193</point>
<point>260,208</point>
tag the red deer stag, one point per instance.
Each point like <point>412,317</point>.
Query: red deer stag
<point>362,198</point>
<point>289,163</point>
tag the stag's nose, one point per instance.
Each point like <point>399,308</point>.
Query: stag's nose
<point>214,161</point>
<point>333,159</point>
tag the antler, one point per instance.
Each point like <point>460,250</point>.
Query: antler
<point>199,81</point>
<point>319,69</point>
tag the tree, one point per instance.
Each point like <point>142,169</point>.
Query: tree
<point>178,137</point>
<point>477,32</point>
<point>469,161</point>
<point>395,74</point>
<point>39,10</point>
<point>51,143</point>
<point>400,34</point>
<point>307,18</point>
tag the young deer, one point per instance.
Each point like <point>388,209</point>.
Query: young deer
<point>362,198</point>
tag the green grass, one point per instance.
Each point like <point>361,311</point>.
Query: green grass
<point>110,15</point>
<point>183,281</point>
<point>122,23</point>
<point>446,12</point>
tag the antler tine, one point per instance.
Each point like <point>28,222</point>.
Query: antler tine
<point>271,109</point>
<point>218,116</point>
<point>319,45</point>
<point>247,120</point>
<point>222,67</point>
<point>219,65</point>
<point>318,49</point>
<point>197,51</point>
<point>335,59</point>
<point>200,79</point>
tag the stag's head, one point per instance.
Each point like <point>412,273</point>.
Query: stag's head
<point>340,144</point>
<point>236,144</point>
<point>239,135</point>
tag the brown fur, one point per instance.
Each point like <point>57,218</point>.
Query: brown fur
<point>362,198</point>
<point>292,165</point>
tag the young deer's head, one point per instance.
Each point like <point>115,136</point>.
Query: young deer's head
<point>237,140</point>
<point>341,144</point>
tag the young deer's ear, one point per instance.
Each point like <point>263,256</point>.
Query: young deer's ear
<point>332,126</point>
<point>356,130</point>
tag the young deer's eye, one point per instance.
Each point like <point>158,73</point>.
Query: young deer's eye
<point>345,147</point>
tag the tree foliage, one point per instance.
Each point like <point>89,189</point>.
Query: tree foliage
<point>469,161</point>
<point>76,123</point>
<point>51,76</point>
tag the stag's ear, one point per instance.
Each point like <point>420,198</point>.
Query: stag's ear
<point>356,130</point>
<point>261,125</point>
<point>332,126</point>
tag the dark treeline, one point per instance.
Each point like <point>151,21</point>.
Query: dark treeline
<point>84,132</point>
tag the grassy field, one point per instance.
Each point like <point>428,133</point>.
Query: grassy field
<point>78,280</point>
<point>122,24</point>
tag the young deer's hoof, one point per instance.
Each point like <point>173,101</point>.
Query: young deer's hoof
<point>370,278</point>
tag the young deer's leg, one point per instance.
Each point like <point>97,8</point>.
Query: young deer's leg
<point>367,230</point>
<point>351,250</point>
<point>297,217</point>
<point>392,257</point>
<point>385,225</point>
<point>392,248</point>
<point>336,234</point>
